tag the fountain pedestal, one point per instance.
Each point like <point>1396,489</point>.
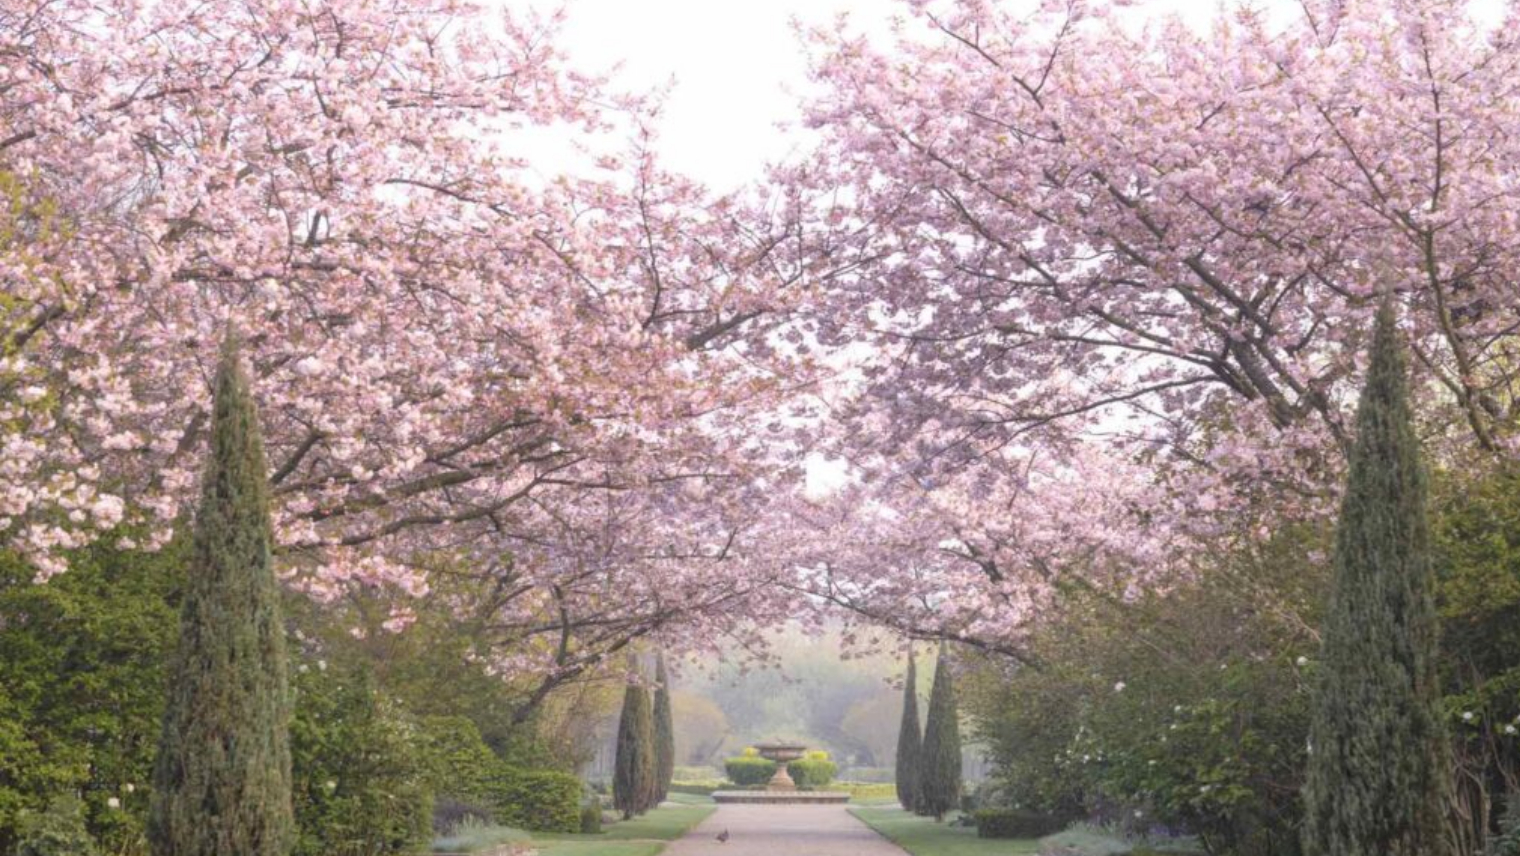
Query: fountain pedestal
<point>783,754</point>
<point>781,789</point>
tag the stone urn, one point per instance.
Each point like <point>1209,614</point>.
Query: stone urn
<point>783,754</point>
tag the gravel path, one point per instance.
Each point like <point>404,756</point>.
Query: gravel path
<point>783,830</point>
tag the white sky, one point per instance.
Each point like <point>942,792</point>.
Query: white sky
<point>735,64</point>
<point>738,67</point>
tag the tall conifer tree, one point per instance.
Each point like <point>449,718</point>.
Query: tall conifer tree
<point>221,781</point>
<point>633,773</point>
<point>939,764</point>
<point>664,733</point>
<point>909,741</point>
<point>1378,770</point>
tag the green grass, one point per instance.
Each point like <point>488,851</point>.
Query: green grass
<point>642,836</point>
<point>921,836</point>
<point>868,793</point>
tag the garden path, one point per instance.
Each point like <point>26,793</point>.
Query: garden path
<point>783,830</point>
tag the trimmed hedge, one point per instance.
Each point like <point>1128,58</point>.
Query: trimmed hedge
<point>702,788</point>
<point>1015,823</point>
<point>536,800</point>
<point>749,770</point>
<point>462,767</point>
<point>810,773</point>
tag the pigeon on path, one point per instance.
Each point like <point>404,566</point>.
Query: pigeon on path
<point>723,837</point>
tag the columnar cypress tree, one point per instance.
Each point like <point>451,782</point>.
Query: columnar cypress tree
<point>1378,769</point>
<point>939,764</point>
<point>910,741</point>
<point>221,781</point>
<point>664,733</point>
<point>633,774</point>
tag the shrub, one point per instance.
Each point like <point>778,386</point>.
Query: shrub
<point>82,685</point>
<point>749,769</point>
<point>701,788</point>
<point>1507,843</point>
<point>1015,823</point>
<point>462,768</point>
<point>536,800</point>
<point>591,818</point>
<point>450,814</point>
<point>810,773</point>
<point>457,762</point>
<point>57,831</point>
<point>359,785</point>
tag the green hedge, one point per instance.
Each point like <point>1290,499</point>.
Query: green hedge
<point>461,766</point>
<point>458,763</point>
<point>748,770</point>
<point>1015,823</point>
<point>358,783</point>
<point>810,773</point>
<point>536,800</point>
<point>702,789</point>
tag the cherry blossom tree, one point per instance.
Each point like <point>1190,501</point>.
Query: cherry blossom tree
<point>464,363</point>
<point>1143,258</point>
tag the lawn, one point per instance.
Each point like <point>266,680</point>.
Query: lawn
<point>642,836</point>
<point>921,836</point>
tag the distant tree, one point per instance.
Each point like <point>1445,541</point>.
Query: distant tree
<point>633,775</point>
<point>1378,766</point>
<point>909,741</point>
<point>664,732</point>
<point>872,724</point>
<point>222,779</point>
<point>701,728</point>
<point>939,764</point>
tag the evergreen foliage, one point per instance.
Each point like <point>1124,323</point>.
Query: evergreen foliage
<point>909,741</point>
<point>633,776</point>
<point>939,771</point>
<point>664,733</point>
<point>359,786</point>
<point>591,819</point>
<point>222,779</point>
<point>749,770</point>
<point>813,772</point>
<point>1378,771</point>
<point>82,685</point>
<point>57,831</point>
